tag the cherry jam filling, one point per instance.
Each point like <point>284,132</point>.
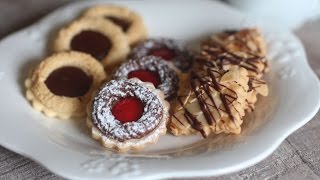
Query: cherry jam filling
<point>146,76</point>
<point>165,53</point>
<point>128,109</point>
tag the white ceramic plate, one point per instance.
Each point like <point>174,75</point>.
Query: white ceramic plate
<point>65,147</point>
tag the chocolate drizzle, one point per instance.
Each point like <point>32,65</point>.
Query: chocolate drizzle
<point>222,102</point>
<point>213,50</point>
<point>200,86</point>
<point>215,54</point>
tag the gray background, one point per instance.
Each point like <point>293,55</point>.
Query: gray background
<point>297,158</point>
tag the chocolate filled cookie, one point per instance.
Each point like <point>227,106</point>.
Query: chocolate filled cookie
<point>171,51</point>
<point>127,114</point>
<point>101,39</point>
<point>61,85</point>
<point>151,69</point>
<point>130,22</point>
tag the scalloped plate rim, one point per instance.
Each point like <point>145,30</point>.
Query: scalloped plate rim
<point>206,172</point>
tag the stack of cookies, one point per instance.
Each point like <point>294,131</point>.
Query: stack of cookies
<point>223,86</point>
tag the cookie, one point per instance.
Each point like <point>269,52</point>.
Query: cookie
<point>244,48</point>
<point>101,39</point>
<point>130,22</point>
<point>128,114</point>
<point>151,69</point>
<point>211,101</point>
<point>171,51</point>
<point>61,85</point>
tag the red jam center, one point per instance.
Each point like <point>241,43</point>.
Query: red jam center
<point>120,22</point>
<point>128,109</point>
<point>68,81</point>
<point>164,53</point>
<point>91,42</point>
<point>146,76</point>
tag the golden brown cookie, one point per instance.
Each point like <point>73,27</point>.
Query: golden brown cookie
<point>211,101</point>
<point>61,85</point>
<point>130,22</point>
<point>244,48</point>
<point>101,39</point>
<point>127,114</point>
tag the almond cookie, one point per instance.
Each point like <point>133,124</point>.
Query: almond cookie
<point>127,114</point>
<point>61,85</point>
<point>244,48</point>
<point>211,101</point>
<point>130,22</point>
<point>151,69</point>
<point>101,39</point>
<point>252,40</point>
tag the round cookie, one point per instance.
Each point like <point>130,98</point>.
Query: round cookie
<point>130,22</point>
<point>61,85</point>
<point>171,51</point>
<point>127,114</point>
<point>101,39</point>
<point>151,69</point>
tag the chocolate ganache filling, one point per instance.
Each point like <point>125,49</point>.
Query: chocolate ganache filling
<point>91,42</point>
<point>124,24</point>
<point>68,81</point>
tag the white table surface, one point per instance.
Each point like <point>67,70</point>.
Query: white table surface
<point>297,158</point>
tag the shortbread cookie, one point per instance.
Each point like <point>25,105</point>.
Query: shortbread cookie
<point>127,114</point>
<point>61,85</point>
<point>211,101</point>
<point>171,51</point>
<point>101,39</point>
<point>130,22</point>
<point>151,69</point>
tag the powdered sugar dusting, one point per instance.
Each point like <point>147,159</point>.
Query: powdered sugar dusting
<point>111,93</point>
<point>183,59</point>
<point>169,79</point>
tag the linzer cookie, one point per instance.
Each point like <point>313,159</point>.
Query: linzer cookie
<point>171,51</point>
<point>101,39</point>
<point>130,22</point>
<point>127,114</point>
<point>61,85</point>
<point>211,101</point>
<point>245,48</point>
<point>151,69</point>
